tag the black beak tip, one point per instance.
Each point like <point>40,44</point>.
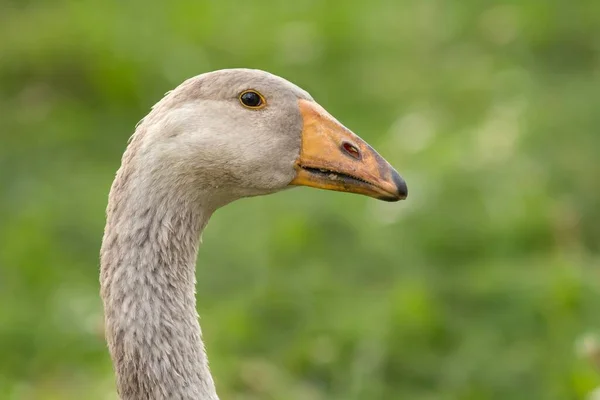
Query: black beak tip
<point>401,189</point>
<point>401,186</point>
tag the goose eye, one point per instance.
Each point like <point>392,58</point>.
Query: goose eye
<point>252,99</point>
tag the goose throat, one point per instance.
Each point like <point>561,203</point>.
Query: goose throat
<point>148,286</point>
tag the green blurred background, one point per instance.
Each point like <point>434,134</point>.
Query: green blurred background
<point>479,286</point>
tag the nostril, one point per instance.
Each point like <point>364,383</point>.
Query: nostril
<point>351,150</point>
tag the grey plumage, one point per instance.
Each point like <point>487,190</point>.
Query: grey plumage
<point>197,150</point>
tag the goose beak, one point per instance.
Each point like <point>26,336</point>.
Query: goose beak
<point>334,158</point>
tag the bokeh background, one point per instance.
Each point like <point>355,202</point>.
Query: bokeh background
<point>484,284</point>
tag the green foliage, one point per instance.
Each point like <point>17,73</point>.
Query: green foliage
<point>477,287</point>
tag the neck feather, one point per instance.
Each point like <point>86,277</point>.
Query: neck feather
<point>147,281</point>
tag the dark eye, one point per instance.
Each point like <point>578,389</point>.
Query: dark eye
<point>252,99</point>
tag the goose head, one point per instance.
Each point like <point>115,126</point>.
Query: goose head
<point>239,132</point>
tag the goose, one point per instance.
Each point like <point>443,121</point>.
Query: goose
<point>217,137</point>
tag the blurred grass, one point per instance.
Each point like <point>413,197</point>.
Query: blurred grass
<point>476,288</point>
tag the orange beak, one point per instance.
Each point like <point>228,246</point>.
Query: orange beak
<point>334,158</point>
